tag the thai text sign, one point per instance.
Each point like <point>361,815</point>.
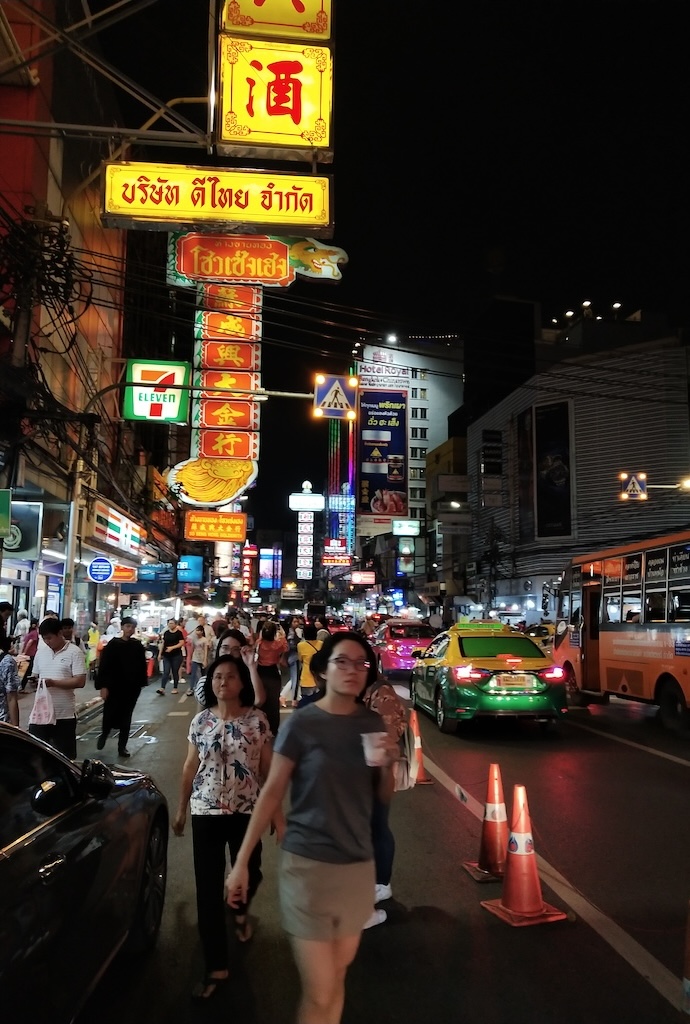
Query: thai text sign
<point>253,260</point>
<point>216,526</point>
<point>151,397</point>
<point>286,19</point>
<point>166,195</point>
<point>274,94</point>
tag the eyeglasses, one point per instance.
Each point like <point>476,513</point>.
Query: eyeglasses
<point>360,665</point>
<point>226,649</point>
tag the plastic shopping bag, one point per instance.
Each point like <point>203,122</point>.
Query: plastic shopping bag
<point>43,712</point>
<point>406,767</point>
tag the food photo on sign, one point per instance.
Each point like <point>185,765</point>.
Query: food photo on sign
<point>381,455</point>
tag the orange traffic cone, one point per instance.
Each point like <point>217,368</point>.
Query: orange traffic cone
<point>522,902</point>
<point>492,849</point>
<point>422,778</point>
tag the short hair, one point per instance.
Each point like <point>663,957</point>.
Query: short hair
<point>231,634</point>
<point>5,643</point>
<point>66,623</point>
<point>310,632</point>
<point>50,614</point>
<point>247,691</point>
<point>320,659</point>
<point>49,627</point>
<point>5,606</point>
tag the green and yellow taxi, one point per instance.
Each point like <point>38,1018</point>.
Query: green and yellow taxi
<point>486,669</point>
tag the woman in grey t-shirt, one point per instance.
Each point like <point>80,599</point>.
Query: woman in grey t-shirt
<point>326,875</point>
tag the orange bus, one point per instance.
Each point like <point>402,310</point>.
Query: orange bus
<point>623,626</point>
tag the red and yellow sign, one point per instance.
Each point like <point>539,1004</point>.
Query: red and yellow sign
<point>228,413</point>
<point>211,326</point>
<point>243,258</point>
<point>287,19</point>
<point>123,574</point>
<point>174,195</point>
<point>234,444</point>
<point>241,297</point>
<point>231,355</point>
<point>229,526</point>
<point>211,380</point>
<point>274,94</point>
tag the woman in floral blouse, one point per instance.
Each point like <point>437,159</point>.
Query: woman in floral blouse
<point>229,753</point>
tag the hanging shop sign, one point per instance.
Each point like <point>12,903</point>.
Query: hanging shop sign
<point>382,461</point>
<point>190,569</point>
<point>275,99</point>
<point>216,383</point>
<point>238,415</point>
<point>212,326</point>
<point>230,355</point>
<point>215,526</point>
<point>156,392</point>
<point>211,483</point>
<point>162,196</point>
<point>100,570</point>
<point>123,574</point>
<point>221,444</point>
<point>285,19</point>
<point>265,260</point>
<point>239,298</point>
<point>112,527</point>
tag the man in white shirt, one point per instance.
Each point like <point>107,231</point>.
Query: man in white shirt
<point>63,667</point>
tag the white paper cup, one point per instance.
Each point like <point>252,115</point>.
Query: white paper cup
<point>375,753</point>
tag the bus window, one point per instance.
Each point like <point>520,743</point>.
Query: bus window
<point>655,606</point>
<point>680,605</point>
<point>575,613</point>
<point>632,606</point>
<point>563,605</point>
<point>611,608</point>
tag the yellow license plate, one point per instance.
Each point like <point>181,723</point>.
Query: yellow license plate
<point>515,679</point>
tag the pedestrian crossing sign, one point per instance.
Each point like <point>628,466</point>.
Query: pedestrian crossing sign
<point>633,486</point>
<point>335,398</point>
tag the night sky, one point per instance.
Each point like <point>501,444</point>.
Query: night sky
<point>528,150</point>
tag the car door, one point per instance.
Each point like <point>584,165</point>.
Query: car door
<point>428,667</point>
<point>59,899</point>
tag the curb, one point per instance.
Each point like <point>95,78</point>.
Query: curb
<point>88,706</point>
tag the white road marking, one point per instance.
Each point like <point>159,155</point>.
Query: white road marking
<point>630,743</point>
<point>179,714</point>
<point>658,976</point>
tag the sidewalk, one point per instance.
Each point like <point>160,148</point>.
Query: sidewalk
<point>90,701</point>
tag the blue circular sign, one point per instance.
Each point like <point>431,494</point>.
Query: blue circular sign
<point>100,570</point>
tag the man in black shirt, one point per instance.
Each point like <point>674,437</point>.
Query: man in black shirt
<point>172,652</point>
<point>121,675</point>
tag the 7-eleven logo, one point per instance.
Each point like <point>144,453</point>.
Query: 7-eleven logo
<point>157,391</point>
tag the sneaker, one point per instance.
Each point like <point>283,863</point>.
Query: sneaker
<point>190,693</point>
<point>161,692</point>
<point>123,753</point>
<point>378,917</point>
<point>174,691</point>
<point>383,892</point>
<point>100,742</point>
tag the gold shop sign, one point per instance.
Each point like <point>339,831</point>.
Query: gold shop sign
<point>168,196</point>
<point>296,19</point>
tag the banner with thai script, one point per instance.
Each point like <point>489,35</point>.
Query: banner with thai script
<point>382,454</point>
<point>165,196</point>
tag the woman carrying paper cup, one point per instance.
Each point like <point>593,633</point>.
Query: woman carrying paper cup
<point>326,876</point>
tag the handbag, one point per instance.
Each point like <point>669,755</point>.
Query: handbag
<point>43,712</point>
<point>406,767</point>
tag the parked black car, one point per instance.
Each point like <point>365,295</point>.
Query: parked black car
<point>83,864</point>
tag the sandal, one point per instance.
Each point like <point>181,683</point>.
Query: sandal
<point>162,692</point>
<point>200,993</point>
<point>243,930</point>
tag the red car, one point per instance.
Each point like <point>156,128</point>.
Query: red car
<point>394,642</point>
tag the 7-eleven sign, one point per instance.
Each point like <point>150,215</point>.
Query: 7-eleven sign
<point>157,391</point>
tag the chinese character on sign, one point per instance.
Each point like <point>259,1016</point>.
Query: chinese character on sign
<point>283,93</point>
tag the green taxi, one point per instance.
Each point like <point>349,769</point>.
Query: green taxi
<point>486,669</point>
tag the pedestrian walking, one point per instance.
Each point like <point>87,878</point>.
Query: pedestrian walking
<point>63,667</point>
<point>327,876</point>
<point>306,649</point>
<point>200,657</point>
<point>293,635</point>
<point>29,648</point>
<point>172,652</point>
<point>271,648</point>
<point>121,675</point>
<point>228,758</point>
<point>9,684</point>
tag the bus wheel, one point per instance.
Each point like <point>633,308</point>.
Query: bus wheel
<point>575,697</point>
<point>673,711</point>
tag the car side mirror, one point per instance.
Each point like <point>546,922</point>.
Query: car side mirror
<point>96,778</point>
<point>51,797</point>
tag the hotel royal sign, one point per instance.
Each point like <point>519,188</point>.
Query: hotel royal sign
<point>166,196</point>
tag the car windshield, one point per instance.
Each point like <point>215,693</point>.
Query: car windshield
<point>495,646</point>
<point>420,632</point>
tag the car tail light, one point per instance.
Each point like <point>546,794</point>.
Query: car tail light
<point>552,674</point>
<point>469,674</point>
<point>391,647</point>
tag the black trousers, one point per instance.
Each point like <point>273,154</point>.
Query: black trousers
<point>211,833</point>
<point>270,677</point>
<point>62,735</point>
<point>115,716</point>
